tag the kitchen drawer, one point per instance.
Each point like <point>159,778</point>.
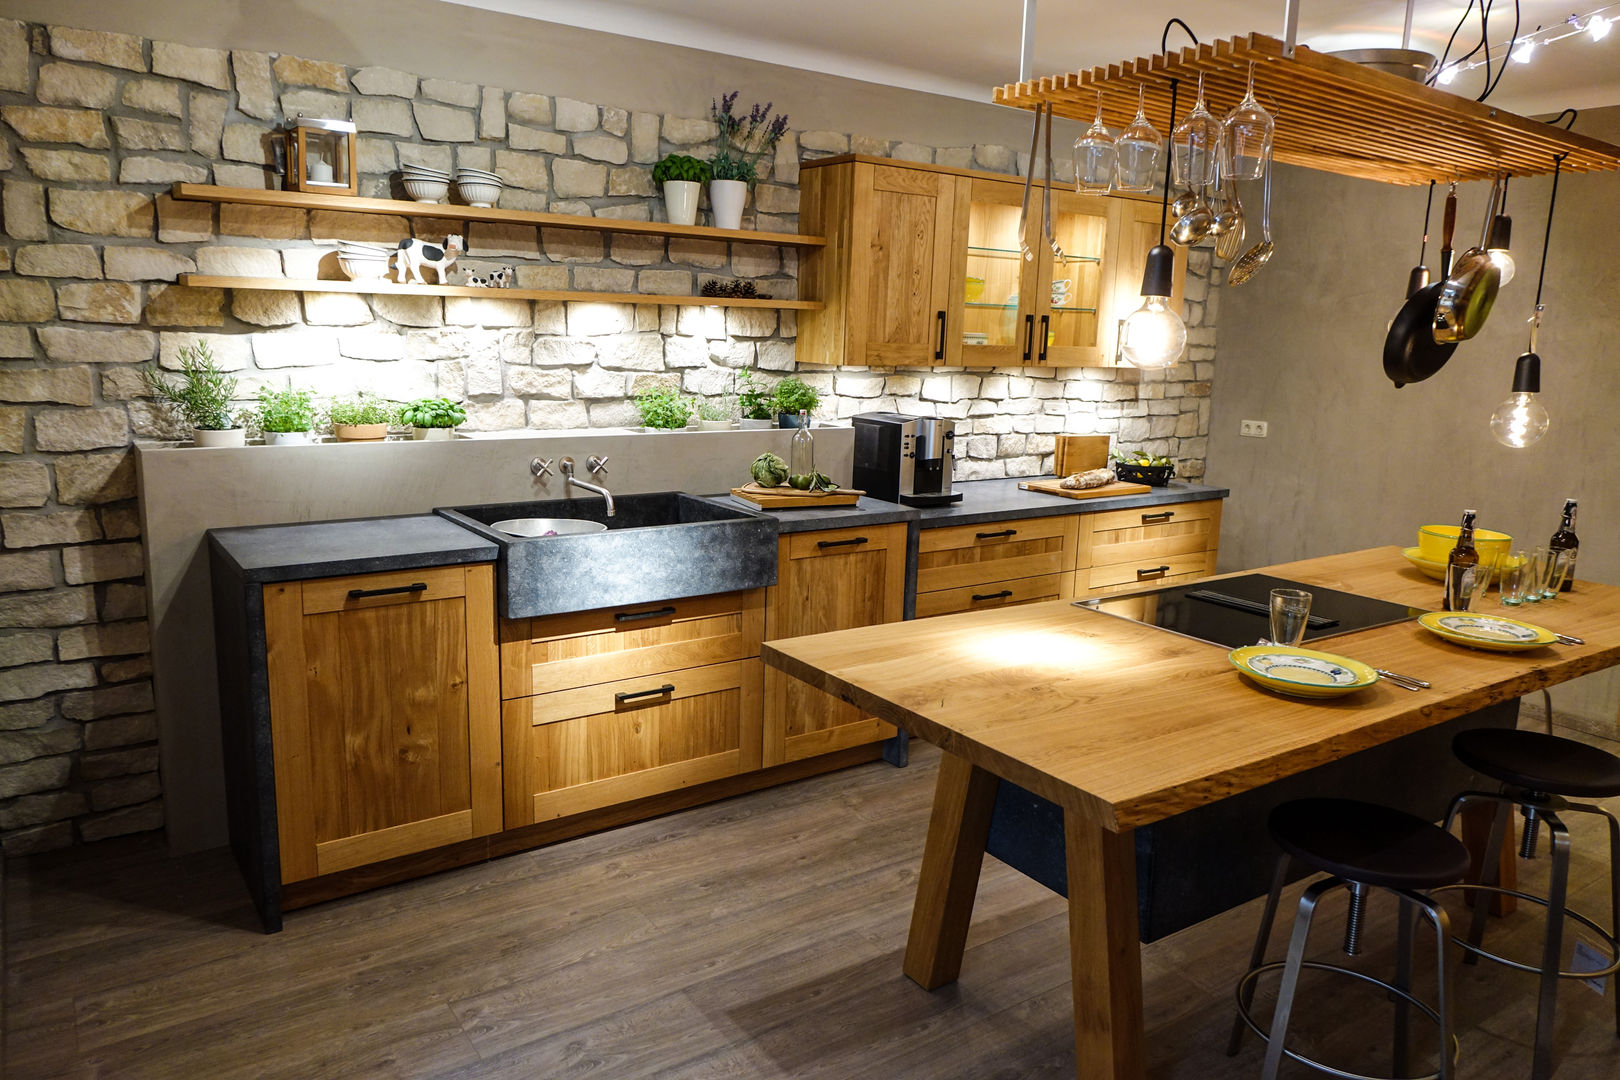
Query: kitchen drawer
<point>385,589</point>
<point>559,652</point>
<point>1166,570</point>
<point>575,750</point>
<point>1031,590</point>
<point>1150,535</point>
<point>959,556</point>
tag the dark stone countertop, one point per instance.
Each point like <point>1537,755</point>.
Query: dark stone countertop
<point>815,518</point>
<point>266,553</point>
<point>1001,500</point>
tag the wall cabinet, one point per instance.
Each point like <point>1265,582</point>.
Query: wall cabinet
<point>925,265</point>
<point>385,715</point>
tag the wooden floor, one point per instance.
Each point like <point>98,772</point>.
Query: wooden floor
<point>756,938</point>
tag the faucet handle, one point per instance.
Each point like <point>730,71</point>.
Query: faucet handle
<point>597,465</point>
<point>540,467</point>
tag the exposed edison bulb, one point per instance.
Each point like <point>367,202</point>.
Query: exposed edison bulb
<point>1447,76</point>
<point>1520,421</point>
<point>1502,259</point>
<point>1598,27</point>
<point>1524,51</point>
<point>1153,336</point>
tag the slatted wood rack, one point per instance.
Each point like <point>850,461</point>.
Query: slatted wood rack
<point>1332,115</point>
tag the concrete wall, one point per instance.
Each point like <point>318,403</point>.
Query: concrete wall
<point>1352,462</point>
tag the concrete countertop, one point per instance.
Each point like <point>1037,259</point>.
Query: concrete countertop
<point>267,553</point>
<point>1001,499</point>
<point>814,518</point>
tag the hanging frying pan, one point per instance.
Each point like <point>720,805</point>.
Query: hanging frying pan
<point>1419,277</point>
<point>1410,352</point>
<point>1469,291</point>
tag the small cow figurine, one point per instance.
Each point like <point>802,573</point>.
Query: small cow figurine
<point>415,254</point>
<point>500,278</point>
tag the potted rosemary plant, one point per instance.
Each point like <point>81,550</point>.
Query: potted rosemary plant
<point>743,141</point>
<point>202,398</point>
<point>433,418</point>
<point>662,408</point>
<point>754,402</point>
<point>682,178</point>
<point>791,396</point>
<point>714,415</point>
<point>286,416</point>
<point>362,417</point>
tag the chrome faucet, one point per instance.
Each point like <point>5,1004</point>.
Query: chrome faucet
<point>598,467</point>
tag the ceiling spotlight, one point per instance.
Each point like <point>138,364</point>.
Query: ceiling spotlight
<point>1524,50</point>
<point>1598,27</point>
<point>1447,76</point>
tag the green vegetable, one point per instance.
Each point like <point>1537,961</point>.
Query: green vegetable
<point>769,470</point>
<point>432,413</point>
<point>801,481</point>
<point>1139,457</point>
<point>663,408</point>
<point>681,167</point>
<point>792,394</point>
<point>822,482</point>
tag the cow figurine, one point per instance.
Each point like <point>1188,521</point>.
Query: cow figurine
<point>501,278</point>
<point>414,254</point>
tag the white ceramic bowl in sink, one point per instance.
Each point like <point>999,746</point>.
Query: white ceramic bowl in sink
<point>547,527</point>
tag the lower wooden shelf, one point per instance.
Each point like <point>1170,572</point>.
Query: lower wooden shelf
<point>382,287</point>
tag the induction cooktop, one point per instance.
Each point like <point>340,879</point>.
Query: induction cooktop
<point>1236,611</point>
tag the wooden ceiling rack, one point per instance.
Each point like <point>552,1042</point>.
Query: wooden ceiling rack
<point>1332,114</point>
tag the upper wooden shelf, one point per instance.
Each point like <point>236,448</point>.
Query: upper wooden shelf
<point>304,200</point>
<point>382,286</point>
<point>1332,115</point>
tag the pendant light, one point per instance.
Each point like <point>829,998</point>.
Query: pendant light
<point>1153,336</point>
<point>1501,238</point>
<point>1522,420</point>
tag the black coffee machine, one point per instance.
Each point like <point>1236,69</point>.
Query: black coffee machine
<point>905,459</point>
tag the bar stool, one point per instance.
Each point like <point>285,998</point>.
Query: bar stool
<point>1363,846</point>
<point>1537,772</point>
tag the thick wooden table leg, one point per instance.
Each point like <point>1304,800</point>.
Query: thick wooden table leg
<point>1476,833</point>
<point>954,851</point>
<point>1104,951</point>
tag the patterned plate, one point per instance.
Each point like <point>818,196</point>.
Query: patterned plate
<point>1302,672</point>
<point>1486,631</point>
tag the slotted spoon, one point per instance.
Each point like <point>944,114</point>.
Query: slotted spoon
<point>1250,262</point>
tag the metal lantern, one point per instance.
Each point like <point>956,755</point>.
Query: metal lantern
<point>321,157</point>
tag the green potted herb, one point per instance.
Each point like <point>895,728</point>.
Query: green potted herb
<point>743,141</point>
<point>286,416</point>
<point>754,402</point>
<point>202,398</point>
<point>662,408</point>
<point>714,415</point>
<point>791,396</point>
<point>432,418</point>
<point>362,417</point>
<point>683,178</point>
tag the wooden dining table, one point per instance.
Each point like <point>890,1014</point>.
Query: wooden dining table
<point>1122,724</point>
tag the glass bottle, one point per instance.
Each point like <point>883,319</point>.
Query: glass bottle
<point>1462,561</point>
<point>802,456</point>
<point>1564,545</point>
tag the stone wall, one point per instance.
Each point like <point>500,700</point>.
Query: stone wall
<point>94,127</point>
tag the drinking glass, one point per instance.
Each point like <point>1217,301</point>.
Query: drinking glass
<point>1195,145</point>
<point>1556,570</point>
<point>1246,138</point>
<point>1290,610</point>
<point>1137,150</point>
<point>1094,156</point>
<point>1536,574</point>
<point>1516,569</point>
<point>1477,581</point>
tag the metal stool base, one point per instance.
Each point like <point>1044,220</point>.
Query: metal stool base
<point>1609,939</point>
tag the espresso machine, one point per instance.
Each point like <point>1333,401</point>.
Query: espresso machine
<point>905,459</point>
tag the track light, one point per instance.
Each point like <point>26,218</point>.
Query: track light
<point>1597,27</point>
<point>1524,51</point>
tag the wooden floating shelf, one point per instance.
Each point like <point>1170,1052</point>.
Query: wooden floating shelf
<point>304,200</point>
<point>1332,115</point>
<point>382,287</point>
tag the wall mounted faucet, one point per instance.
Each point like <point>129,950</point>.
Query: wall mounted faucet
<point>597,466</point>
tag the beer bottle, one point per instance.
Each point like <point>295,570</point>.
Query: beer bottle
<point>1462,561</point>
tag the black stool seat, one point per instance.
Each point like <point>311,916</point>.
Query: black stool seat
<point>1538,762</point>
<point>1368,843</point>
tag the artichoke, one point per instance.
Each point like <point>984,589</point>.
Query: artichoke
<point>769,470</point>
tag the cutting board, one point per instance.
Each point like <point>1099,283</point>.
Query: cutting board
<point>1054,487</point>
<point>790,499</point>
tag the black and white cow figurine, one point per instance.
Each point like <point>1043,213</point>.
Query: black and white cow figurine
<point>415,254</point>
<point>500,278</point>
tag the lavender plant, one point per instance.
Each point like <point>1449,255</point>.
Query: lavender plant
<point>743,139</point>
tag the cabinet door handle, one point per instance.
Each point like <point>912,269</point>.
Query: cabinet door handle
<point>1029,335</point>
<point>841,543</point>
<point>1046,324</point>
<point>1152,571</point>
<point>632,616</point>
<point>1164,516</point>
<point>991,596</point>
<point>939,351</point>
<point>361,594</point>
<point>631,695</point>
<point>994,535</point>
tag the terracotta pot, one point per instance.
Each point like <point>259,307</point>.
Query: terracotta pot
<point>360,432</point>
<point>205,437</point>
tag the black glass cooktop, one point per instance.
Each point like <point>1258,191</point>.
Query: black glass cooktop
<point>1236,611</point>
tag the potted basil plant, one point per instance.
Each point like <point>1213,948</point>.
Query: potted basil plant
<point>663,409</point>
<point>362,417</point>
<point>791,396</point>
<point>743,141</point>
<point>202,398</point>
<point>682,178</point>
<point>286,416</point>
<point>754,402</point>
<point>433,419</point>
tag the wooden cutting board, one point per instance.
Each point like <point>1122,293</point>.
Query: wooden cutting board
<point>789,499</point>
<point>1054,487</point>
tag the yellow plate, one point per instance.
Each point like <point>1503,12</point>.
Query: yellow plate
<point>1493,632</point>
<point>1437,570</point>
<point>1302,672</point>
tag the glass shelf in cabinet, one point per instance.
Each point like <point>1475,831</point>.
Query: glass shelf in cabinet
<point>1014,253</point>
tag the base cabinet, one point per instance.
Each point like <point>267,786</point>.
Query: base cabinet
<point>1156,545</point>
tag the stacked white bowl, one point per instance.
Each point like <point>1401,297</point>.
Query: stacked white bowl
<point>478,187</point>
<point>362,260</point>
<point>425,184</point>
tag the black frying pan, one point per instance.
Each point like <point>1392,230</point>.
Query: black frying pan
<point>1410,352</point>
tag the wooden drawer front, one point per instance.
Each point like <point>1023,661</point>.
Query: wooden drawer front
<point>996,594</point>
<point>581,749</point>
<point>963,555</point>
<point>1153,533</point>
<point>837,580</point>
<point>559,652</point>
<point>382,590</point>
<point>803,722</point>
<point>1163,571</point>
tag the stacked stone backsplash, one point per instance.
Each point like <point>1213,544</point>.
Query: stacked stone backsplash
<point>95,127</point>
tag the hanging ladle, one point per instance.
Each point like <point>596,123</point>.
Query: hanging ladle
<point>1250,262</point>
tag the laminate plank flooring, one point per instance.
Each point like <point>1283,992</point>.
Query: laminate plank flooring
<point>754,939</point>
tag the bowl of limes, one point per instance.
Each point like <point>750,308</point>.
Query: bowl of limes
<point>1141,467</point>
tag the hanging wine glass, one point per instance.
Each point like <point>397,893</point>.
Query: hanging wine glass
<point>1196,145</point>
<point>1136,152</point>
<point>1094,157</point>
<point>1246,142</point>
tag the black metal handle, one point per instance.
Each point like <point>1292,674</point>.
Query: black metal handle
<point>1029,335</point>
<point>632,616</point>
<point>939,352</point>
<point>1046,324</point>
<point>631,695</point>
<point>992,596</point>
<point>361,594</point>
<point>1152,571</point>
<point>1164,516</point>
<point>851,542</point>
<point>994,535</point>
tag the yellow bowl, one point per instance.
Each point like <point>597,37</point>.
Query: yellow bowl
<point>1436,541</point>
<point>975,289</point>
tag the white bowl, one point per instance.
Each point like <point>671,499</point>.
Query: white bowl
<point>348,247</point>
<point>479,193</point>
<point>479,174</point>
<point>424,170</point>
<point>426,191</point>
<point>358,269</point>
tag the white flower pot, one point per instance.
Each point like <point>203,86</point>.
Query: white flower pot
<point>715,425</point>
<point>756,425</point>
<point>360,432</point>
<point>681,201</point>
<point>289,438</point>
<point>228,437</point>
<point>433,434</point>
<point>726,199</point>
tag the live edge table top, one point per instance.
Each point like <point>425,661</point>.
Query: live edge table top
<point>1126,724</point>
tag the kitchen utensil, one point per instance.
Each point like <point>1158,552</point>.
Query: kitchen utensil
<point>1469,290</point>
<point>547,526</point>
<point>1226,211</point>
<point>1493,632</point>
<point>1094,156</point>
<point>790,499</point>
<point>1250,262</point>
<point>1302,672</point>
<point>1029,179</point>
<point>1137,150</point>
<point>1055,487</point>
<point>1246,137</point>
<point>1194,220</point>
<point>1411,354</point>
<point>1046,202</point>
<point>1419,277</point>
<point>1290,608</point>
<point>1569,639</point>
